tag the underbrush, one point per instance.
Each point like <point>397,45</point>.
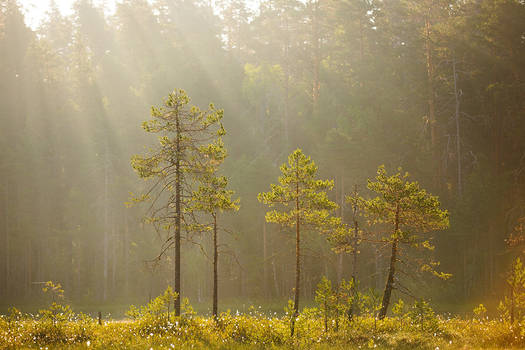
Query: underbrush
<point>256,331</point>
<point>155,326</point>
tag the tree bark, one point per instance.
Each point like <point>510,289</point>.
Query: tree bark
<point>265,263</point>
<point>6,246</point>
<point>378,269</point>
<point>341,200</point>
<point>316,40</point>
<point>297,256</point>
<point>286,57</point>
<point>512,299</point>
<point>458,139</point>
<point>114,259</point>
<point>354,254</point>
<point>431,103</point>
<point>215,262</point>
<point>106,224</point>
<point>275,279</point>
<point>178,178</point>
<point>28,269</point>
<point>125,254</point>
<point>391,271</point>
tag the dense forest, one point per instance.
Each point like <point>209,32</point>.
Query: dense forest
<point>436,87</point>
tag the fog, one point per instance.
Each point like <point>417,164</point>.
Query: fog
<point>434,87</point>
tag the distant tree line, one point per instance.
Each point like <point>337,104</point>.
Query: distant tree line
<point>435,87</point>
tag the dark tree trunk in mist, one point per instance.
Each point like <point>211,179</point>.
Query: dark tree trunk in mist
<point>286,62</point>
<point>178,190</point>
<point>28,268</point>
<point>114,258</point>
<point>340,193</point>
<point>355,240</point>
<point>458,139</point>
<point>316,41</point>
<point>215,263</point>
<point>297,261</point>
<point>125,254</point>
<point>390,282</point>
<point>431,102</point>
<point>391,271</point>
<point>106,224</point>
<point>275,279</point>
<point>266,290</point>
<point>6,233</point>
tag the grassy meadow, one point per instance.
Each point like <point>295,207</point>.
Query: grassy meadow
<point>154,326</point>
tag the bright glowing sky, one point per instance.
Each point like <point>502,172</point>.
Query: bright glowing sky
<point>35,10</point>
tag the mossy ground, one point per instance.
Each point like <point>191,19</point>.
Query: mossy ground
<point>255,331</point>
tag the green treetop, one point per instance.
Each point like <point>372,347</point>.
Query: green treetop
<point>188,139</point>
<point>211,198</point>
<point>408,212</point>
<point>302,201</point>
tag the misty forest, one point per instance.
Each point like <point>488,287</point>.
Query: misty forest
<point>284,174</point>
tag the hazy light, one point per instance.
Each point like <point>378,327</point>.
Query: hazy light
<point>35,10</point>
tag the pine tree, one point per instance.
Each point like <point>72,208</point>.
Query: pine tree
<point>186,136</point>
<point>212,197</point>
<point>409,212</point>
<point>303,202</point>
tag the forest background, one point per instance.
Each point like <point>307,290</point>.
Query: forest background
<point>436,87</point>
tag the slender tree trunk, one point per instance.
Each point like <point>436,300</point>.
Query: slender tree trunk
<point>465,272</point>
<point>106,224</point>
<point>286,83</point>
<point>355,241</point>
<point>431,102</point>
<point>215,262</point>
<point>241,281</point>
<point>178,190</point>
<point>391,271</point>
<point>78,263</point>
<point>29,269</point>
<point>71,260</point>
<point>114,259</point>
<point>339,267</point>
<point>458,139</point>
<point>341,201</point>
<point>512,298</point>
<point>316,40</point>
<point>265,262</point>
<point>6,232</point>
<point>325,316</point>
<point>297,256</point>
<point>125,254</point>
<point>354,254</point>
<point>390,281</point>
<point>361,39</point>
<point>275,279</point>
<point>378,266</point>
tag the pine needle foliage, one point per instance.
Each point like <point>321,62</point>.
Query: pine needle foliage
<point>302,202</point>
<point>188,139</point>
<point>407,212</point>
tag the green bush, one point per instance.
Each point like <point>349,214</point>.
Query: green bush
<point>155,326</point>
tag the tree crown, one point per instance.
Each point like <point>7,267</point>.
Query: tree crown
<point>415,210</point>
<point>301,192</point>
